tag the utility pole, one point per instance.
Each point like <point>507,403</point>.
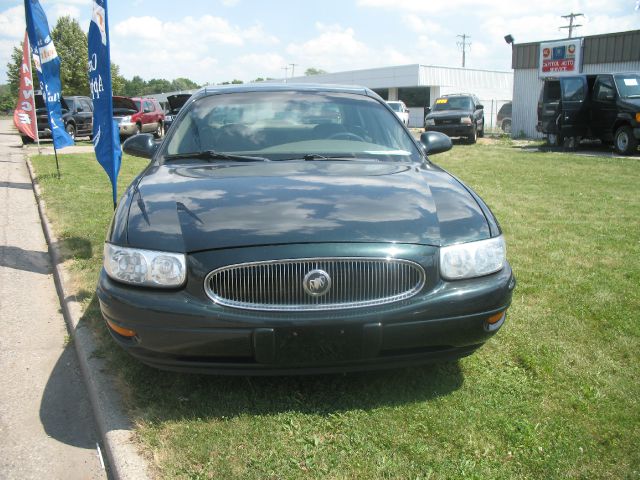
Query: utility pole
<point>293,69</point>
<point>464,44</point>
<point>286,71</point>
<point>571,26</point>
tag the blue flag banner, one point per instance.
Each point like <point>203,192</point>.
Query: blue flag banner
<point>48,67</point>
<point>106,133</point>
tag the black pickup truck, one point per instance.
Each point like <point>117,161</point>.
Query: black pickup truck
<point>602,106</point>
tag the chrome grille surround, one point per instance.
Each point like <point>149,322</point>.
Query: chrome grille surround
<point>277,285</point>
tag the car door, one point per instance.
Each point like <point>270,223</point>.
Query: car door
<point>604,110</point>
<point>84,116</point>
<point>148,118</point>
<point>574,107</point>
<point>549,109</point>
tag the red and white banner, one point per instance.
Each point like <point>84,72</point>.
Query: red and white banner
<point>24,116</point>
<point>559,58</point>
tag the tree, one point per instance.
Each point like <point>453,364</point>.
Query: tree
<point>117,80</point>
<point>157,85</point>
<point>71,45</point>
<point>10,96</point>
<point>314,71</point>
<point>134,87</point>
<point>183,84</point>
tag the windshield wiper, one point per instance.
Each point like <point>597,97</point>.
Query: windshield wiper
<point>213,155</point>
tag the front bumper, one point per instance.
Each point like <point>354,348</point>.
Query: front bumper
<point>127,129</point>
<point>636,133</point>
<point>452,130</point>
<point>184,330</point>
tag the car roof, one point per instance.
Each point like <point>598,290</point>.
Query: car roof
<point>284,87</point>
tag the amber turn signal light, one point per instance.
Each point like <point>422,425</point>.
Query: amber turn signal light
<point>495,318</point>
<point>125,332</point>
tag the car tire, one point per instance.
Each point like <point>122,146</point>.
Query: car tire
<point>481,132</point>
<point>159,131</point>
<point>473,138</point>
<point>554,140</point>
<point>624,142</point>
<point>71,130</point>
<point>506,126</point>
<point>138,129</point>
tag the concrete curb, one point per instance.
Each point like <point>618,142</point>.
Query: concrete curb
<point>125,461</point>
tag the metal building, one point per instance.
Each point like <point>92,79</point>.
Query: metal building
<point>612,52</point>
<point>418,86</point>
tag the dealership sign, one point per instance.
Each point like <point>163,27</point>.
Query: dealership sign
<point>561,58</point>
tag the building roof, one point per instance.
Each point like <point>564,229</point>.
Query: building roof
<point>605,48</point>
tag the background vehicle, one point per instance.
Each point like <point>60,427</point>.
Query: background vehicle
<point>400,110</point>
<point>77,114</point>
<point>604,106</point>
<point>458,115</point>
<point>175,104</point>
<point>138,115</point>
<point>503,118</point>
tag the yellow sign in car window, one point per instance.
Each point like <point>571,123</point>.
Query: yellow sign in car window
<point>442,100</point>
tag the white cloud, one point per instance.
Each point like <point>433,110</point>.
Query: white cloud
<point>12,24</point>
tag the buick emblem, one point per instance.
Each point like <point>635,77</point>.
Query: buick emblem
<point>316,283</point>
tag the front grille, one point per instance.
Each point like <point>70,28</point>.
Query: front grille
<point>447,121</point>
<point>278,285</point>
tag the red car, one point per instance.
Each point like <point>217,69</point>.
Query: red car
<point>138,115</point>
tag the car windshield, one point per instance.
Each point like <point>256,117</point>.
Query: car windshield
<point>288,125</point>
<point>452,103</point>
<point>395,106</point>
<point>628,85</point>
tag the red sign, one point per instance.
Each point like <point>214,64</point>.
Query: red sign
<point>24,116</point>
<point>566,65</point>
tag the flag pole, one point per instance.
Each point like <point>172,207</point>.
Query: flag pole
<point>55,152</point>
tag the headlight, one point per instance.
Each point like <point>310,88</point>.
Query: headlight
<point>429,121</point>
<point>466,120</point>
<point>126,120</point>
<point>168,118</point>
<point>474,259</point>
<point>144,267</point>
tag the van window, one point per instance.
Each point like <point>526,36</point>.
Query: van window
<point>604,89</point>
<point>572,90</point>
<point>551,91</point>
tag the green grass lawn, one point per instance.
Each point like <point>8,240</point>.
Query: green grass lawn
<point>556,394</point>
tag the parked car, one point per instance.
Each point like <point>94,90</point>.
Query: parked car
<point>77,115</point>
<point>266,246</point>
<point>138,115</point>
<point>503,119</point>
<point>459,115</point>
<point>176,102</point>
<point>604,106</point>
<point>400,110</point>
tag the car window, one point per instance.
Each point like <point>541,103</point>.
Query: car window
<point>628,85</point>
<point>604,89</point>
<point>285,125</point>
<point>86,104</point>
<point>148,106</point>
<point>453,103</point>
<point>573,89</point>
<point>395,106</point>
<point>71,103</point>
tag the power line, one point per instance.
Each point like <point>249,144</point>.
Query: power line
<point>571,26</point>
<point>293,69</point>
<point>464,44</point>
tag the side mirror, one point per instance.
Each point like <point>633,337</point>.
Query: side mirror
<point>435,142</point>
<point>142,145</point>
<point>427,110</point>
<point>479,107</point>
<point>408,111</point>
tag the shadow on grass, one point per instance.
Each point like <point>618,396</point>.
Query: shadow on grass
<point>165,396</point>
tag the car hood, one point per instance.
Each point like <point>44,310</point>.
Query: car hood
<point>449,114</point>
<point>176,102</point>
<point>194,207</point>
<point>123,106</point>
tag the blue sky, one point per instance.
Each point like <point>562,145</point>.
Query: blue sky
<point>218,40</point>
